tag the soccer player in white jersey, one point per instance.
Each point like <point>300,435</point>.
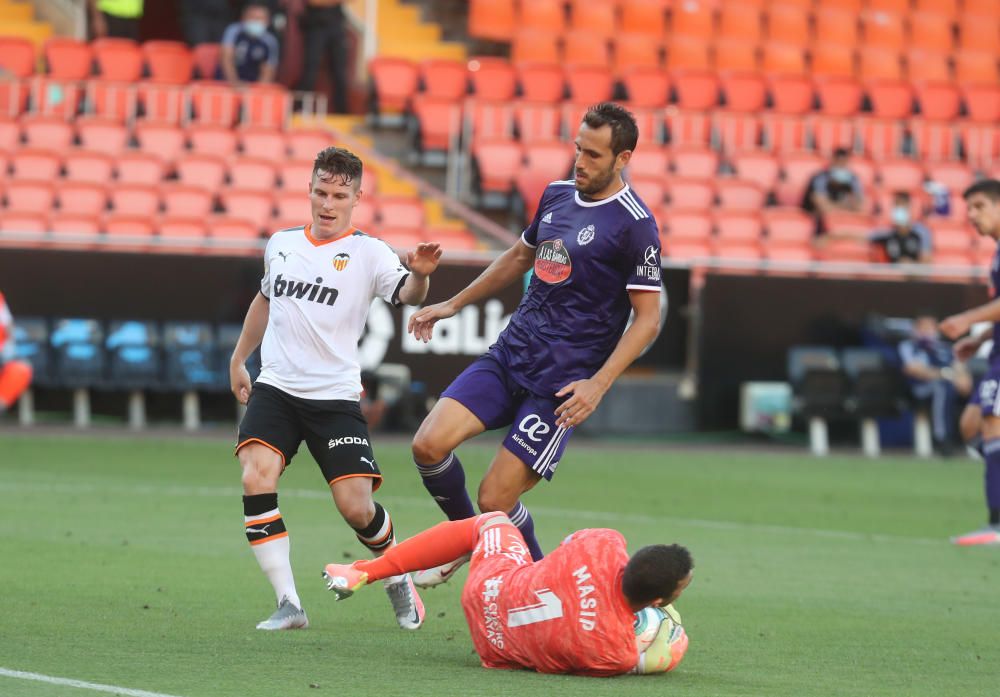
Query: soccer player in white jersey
<point>319,281</point>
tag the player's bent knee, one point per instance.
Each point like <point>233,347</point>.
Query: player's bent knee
<point>426,451</point>
<point>261,468</point>
<point>491,501</point>
<point>357,514</point>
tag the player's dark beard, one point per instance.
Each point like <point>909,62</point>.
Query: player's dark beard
<point>597,183</point>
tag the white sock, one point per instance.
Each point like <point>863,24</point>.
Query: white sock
<point>273,557</point>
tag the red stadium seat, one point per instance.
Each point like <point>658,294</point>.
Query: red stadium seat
<point>181,229</point>
<point>597,17</point>
<point>103,135</point>
<point>203,171</point>
<point>30,196</point>
<point>787,24</point>
<point>34,164</point>
<point>13,98</point>
<point>839,96</point>
<point>443,78</point>
<point>636,51</point>
<point>739,21</point>
<point>294,205</point>
<point>647,87</point>
<point>82,198</point>
<point>864,170</point>
<point>55,97</point>
<point>693,19</point>
<point>791,94</point>
<point>944,9</point>
<point>536,121</point>
<point>759,166</point>
<point>552,158</point>
<point>797,170</point>
<point>395,81</point>
<point>735,131</point>
<point>118,60</point>
<point>982,102</point>
<point>952,235</point>
<point>653,190</point>
<point>740,195</point>
<point>89,166</point>
<point>490,120</point>
<point>162,104</point>
<point>649,162</point>
<point>139,167</point>
<point>978,34</point>
<point>492,19</point>
<point>643,17</point>
<point>957,176</point>
<point>439,122</point>
<point>125,225</point>
<point>788,224</point>
<point>68,59</point>
<point>228,228</point>
<point>696,90</point>
<point>116,101</point>
<point>789,251</point>
<point>883,30</point>
<point>256,141</point>
<point>836,26</point>
<point>746,92</point>
<point>591,84</point>
<point>881,138</point>
<point>535,46</point>
<point>980,144</point>
<point>17,56</point>
<point>188,201</point>
<point>681,223</point>
<point>253,174</point>
<point>206,60</point>
<point>164,141</point>
<point>305,145</point>
<point>400,240</point>
<point>295,175</point>
<point>255,206</point>
<point>783,133</point>
<point>878,63</point>
<point>584,48</point>
<point>541,82</point>
<point>732,55</point>
<point>135,199</point>
<point>925,66</point>
<point>401,212</point>
<point>212,140</point>
<point>267,106</point>
<point>46,132</point>
<point>498,162</point>
<point>493,79</point>
<point>452,240</point>
<point>891,100</point>
<point>694,162</point>
<point>783,59</point>
<point>214,104</point>
<point>976,68</point>
<point>689,128</point>
<point>169,62</point>
<point>649,120</point>
<point>933,140</point>
<point>737,226</point>
<point>23,221</point>
<point>900,175</point>
<point>10,139</point>
<point>831,60</point>
<point>68,223</point>
<point>686,249</point>
<point>546,15</point>
<point>928,32</point>
<point>830,133</point>
<point>684,53</point>
<point>690,193</point>
<point>529,186</point>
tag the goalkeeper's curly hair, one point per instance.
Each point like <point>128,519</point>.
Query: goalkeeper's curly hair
<point>655,571</point>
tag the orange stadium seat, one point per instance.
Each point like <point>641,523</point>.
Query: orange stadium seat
<point>111,100</point>
<point>253,174</point>
<point>788,224</point>
<point>169,62</point>
<point>179,228</point>
<point>788,24</point>
<point>591,84</point>
<point>898,7</point>
<point>212,140</point>
<point>957,176</point>
<point>744,92</point>
<point>975,67</point>
<point>443,78</point>
<point>395,82</point>
<point>733,55</point>
<point>596,17</point>
<point>653,190</point>
<point>952,235</point>
<point>839,96</point>
<point>30,196</point>
<point>572,117</point>
<point>737,226</point>
<point>42,131</point>
<point>493,79</point>
<point>201,170</point>
<point>536,121</point>
<point>691,193</point>
<point>693,161</point>
<point>553,158</point>
<point>584,48</point>
<point>636,51</point>
<point>439,122</point>
<point>364,216</point>
<point>649,162</point>
<point>693,18</point>
<point>497,162</point>
<point>535,46</point>
<point>900,174</point>
<point>401,212</point>
<point>191,201</point>
<point>23,221</point>
<point>696,90</point>
<point>756,165</point>
<point>878,63</point>
<point>933,140</point>
<point>783,59</point>
<point>982,102</point>
<point>938,101</point>
<point>927,66</point>
<point>686,248</point>
<point>400,239</point>
<point>214,104</point>
<point>797,170</point>
<point>89,166</point>
<point>739,21</point>
<point>643,16</point>
<point>891,100</point>
<point>832,60</point>
<point>977,34</point>
<point>295,175</point>
<point>69,223</point>
<point>788,251</point>
<point>267,106</point>
<point>82,198</point>
<point>256,141</point>
<point>883,29</point>
<point>740,195</point>
<point>140,167</point>
<point>980,144</point>
<point>689,128</point>
<point>492,19</point>
<point>17,56</point>
<point>541,82</point>
<point>304,145</point>
<point>118,60</point>
<point>68,59</point>
<point>162,103</point>
<point>55,97</point>
<point>453,240</point>
<point>13,98</point>
<point>10,138</point>
<point>206,57</point>
<point>982,8</point>
<point>928,32</point>
<point>35,164</point>
<point>294,206</point>
<point>230,228</point>
<point>646,87</point>
<point>945,9</point>
<point>836,26</point>
<point>735,131</point>
<point>791,94</point>
<point>546,15</point>
<point>135,199</point>
<point>125,225</point>
<point>684,53</point>
<point>490,120</point>
<point>650,123</point>
<point>684,223</point>
<point>881,138</point>
<point>784,133</point>
<point>255,206</point>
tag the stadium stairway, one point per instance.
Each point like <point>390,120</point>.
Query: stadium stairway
<point>402,32</point>
<point>17,17</point>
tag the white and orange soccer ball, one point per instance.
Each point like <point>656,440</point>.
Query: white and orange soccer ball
<point>660,638</point>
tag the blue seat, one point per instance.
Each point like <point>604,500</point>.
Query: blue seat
<point>31,345</point>
<point>133,355</point>
<point>78,348</point>
<point>189,356</point>
<point>228,335</point>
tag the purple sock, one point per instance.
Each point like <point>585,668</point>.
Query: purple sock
<point>445,481</point>
<point>991,449</point>
<point>520,517</point>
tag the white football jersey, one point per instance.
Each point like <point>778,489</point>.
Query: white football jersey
<point>319,293</point>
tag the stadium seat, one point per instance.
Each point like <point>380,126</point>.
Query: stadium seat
<point>738,234</point>
<point>877,390</point>
<point>295,175</point>
<point>787,24</point>
<point>255,206</point>
<point>546,15</point>
<point>35,164</point>
<point>636,51</point>
<point>975,67</point>
<point>497,163</point>
<point>694,162</point>
<point>784,133</point>
<point>42,131</point>
<point>590,83</point>
<point>649,121</point>
<point>297,208</point>
<point>653,190</point>
<point>744,92</point>
<point>400,239</point>
<point>13,98</point>
<point>162,104</point>
<point>788,225</point>
<point>956,176</point>
<point>938,101</point>
<point>394,81</point>
<point>797,170</point>
<point>830,60</point>
<point>839,96</point>
<point>690,193</point>
<point>49,96</point>
<point>181,233</point>
<point>66,224</point>
<point>439,123</point>
<point>830,133</point>
<point>944,9</point>
<point>740,195</point>
<point>976,34</point>
<point>536,121</point>
<point>133,350</point>
<point>535,46</point>
<point>739,21</point>
<point>493,79</point>
<point>88,166</point>
<point>693,19</point>
<point>928,32</point>
<point>649,162</point>
<point>294,206</point>
<point>899,174</point>
<point>401,212</point>
<point>492,19</point>
<point>262,142</point>
<point>735,131</point>
<point>732,55</point>
<point>541,82</point>
<point>229,228</point>
<point>181,200</point>
<point>925,66</point>
<point>952,235</point>
<point>530,185</point>
<point>253,174</point>
<point>443,78</point>
<point>876,63</point>
<point>489,120</point>
<point>933,140</point>
<point>189,356</point>
<point>759,166</point>
<point>113,101</point>
<point>685,249</point>
<point>214,104</point>
<point>891,100</point>
<point>881,138</point>
<point>684,53</point>
<point>129,199</point>
<point>78,353</point>
<point>169,62</point>
<point>646,87</point>
<point>305,145</point>
<point>129,233</point>
<point>83,198</point>
<point>138,167</point>
<point>206,60</point>
<point>980,144</point>
<point>212,140</point>
<point>643,17</point>
<point>682,223</point>
<point>206,172</point>
<point>883,30</point>
<point>791,94</point>
<point>696,90</point>
<point>982,102</point>
<point>783,59</point>
<point>586,49</point>
<point>552,158</point>
<point>164,141</point>
<point>836,26</point>
<point>68,59</point>
<point>571,117</point>
<point>10,139</point>
<point>17,56</point>
<point>118,60</point>
<point>267,106</point>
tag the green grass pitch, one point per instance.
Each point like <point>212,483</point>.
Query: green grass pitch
<point>123,563</point>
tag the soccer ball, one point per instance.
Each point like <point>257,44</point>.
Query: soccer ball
<point>660,639</point>
<point>648,622</point>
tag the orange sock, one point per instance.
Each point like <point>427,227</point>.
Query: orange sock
<point>15,377</point>
<point>438,545</point>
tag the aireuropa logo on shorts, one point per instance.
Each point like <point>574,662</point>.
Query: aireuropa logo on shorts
<point>346,440</point>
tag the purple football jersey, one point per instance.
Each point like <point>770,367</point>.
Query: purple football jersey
<point>588,256</point>
<point>995,283</point>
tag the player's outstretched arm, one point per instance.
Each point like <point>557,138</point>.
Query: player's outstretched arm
<point>422,262</point>
<point>959,324</point>
<point>507,267</point>
<point>250,338</point>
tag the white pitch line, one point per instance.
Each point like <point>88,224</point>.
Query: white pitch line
<point>97,687</point>
<point>596,516</point>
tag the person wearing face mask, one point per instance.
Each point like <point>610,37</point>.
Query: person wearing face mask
<point>249,50</point>
<point>936,378</point>
<point>835,188</point>
<point>907,240</point>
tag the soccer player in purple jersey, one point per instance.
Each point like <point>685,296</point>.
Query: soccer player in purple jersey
<point>595,250</point>
<point>983,205</point>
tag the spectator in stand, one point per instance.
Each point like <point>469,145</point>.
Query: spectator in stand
<point>907,240</point>
<point>204,21</point>
<point>249,50</point>
<point>325,28</point>
<point>835,188</point>
<point>115,18</point>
